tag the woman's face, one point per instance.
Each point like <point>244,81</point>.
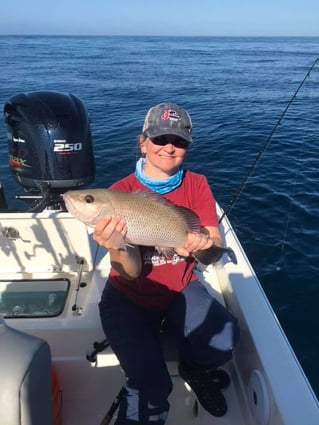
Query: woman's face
<point>163,154</point>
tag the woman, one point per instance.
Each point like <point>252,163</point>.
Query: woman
<point>148,292</point>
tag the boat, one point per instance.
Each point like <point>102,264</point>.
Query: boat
<point>57,367</point>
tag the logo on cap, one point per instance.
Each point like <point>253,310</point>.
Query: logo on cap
<point>170,114</point>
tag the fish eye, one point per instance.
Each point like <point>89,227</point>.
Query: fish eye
<point>89,199</point>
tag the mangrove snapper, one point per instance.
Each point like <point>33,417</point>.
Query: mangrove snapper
<point>151,219</point>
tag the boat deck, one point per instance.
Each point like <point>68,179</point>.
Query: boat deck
<point>56,253</point>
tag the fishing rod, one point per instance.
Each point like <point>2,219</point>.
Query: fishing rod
<point>265,146</point>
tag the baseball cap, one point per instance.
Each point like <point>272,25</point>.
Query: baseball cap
<point>168,118</point>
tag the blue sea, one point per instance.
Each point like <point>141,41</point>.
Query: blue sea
<point>235,89</point>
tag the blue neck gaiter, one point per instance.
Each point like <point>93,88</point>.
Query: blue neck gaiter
<point>159,186</point>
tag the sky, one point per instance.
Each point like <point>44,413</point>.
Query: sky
<point>160,17</point>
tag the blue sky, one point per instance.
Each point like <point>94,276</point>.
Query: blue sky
<point>161,17</point>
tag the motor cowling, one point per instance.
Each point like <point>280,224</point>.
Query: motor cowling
<point>49,140</point>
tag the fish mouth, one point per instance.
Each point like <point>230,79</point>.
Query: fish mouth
<point>68,204</point>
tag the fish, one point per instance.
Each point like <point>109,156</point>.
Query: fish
<point>151,220</point>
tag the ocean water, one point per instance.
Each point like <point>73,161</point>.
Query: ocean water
<point>235,90</point>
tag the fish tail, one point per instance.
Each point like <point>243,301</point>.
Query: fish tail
<point>214,254</point>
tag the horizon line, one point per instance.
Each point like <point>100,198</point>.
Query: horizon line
<point>157,35</point>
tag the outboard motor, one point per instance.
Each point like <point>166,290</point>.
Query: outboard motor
<point>50,146</point>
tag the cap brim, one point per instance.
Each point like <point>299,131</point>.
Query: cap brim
<point>156,132</point>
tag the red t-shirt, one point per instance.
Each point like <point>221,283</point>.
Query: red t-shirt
<point>162,277</point>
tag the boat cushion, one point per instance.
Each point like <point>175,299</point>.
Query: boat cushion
<point>25,377</point>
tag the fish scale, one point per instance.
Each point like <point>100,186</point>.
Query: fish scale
<point>140,209</point>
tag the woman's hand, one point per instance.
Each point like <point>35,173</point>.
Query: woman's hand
<point>110,232</point>
<point>195,242</point>
<point>199,241</point>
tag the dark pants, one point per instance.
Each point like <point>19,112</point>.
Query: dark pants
<point>205,332</point>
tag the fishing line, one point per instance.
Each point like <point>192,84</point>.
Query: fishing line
<point>265,146</point>
<point>292,196</point>
<point>294,188</point>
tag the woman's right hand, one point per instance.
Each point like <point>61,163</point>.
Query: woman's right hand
<point>110,232</point>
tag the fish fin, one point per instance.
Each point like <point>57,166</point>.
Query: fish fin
<point>192,219</point>
<point>152,195</point>
<point>214,254</point>
<point>167,252</point>
<point>129,244</point>
<point>117,241</point>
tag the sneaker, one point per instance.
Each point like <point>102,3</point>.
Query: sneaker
<point>207,385</point>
